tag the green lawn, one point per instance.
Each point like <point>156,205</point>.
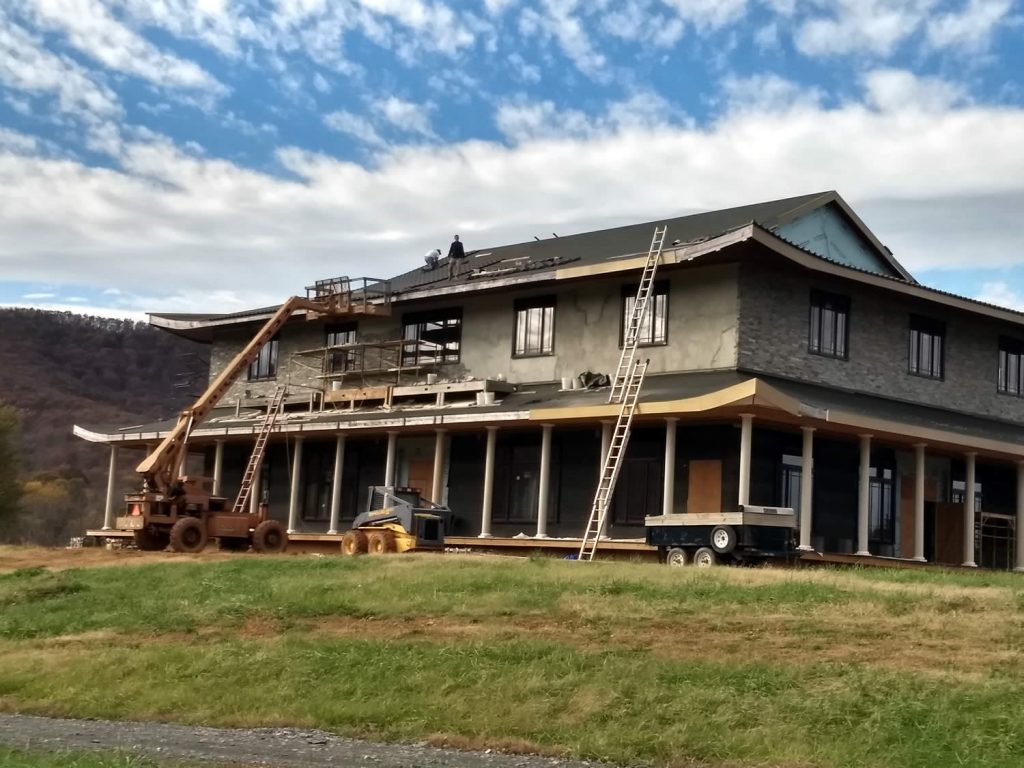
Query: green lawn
<point>20,758</point>
<point>623,662</point>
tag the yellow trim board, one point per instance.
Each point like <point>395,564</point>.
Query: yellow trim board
<point>751,392</point>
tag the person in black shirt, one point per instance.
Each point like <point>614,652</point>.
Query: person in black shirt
<point>456,255</point>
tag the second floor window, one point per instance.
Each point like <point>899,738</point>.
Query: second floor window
<point>829,325</point>
<point>927,347</point>
<point>1011,366</point>
<point>432,337</point>
<point>535,326</point>
<point>654,326</point>
<point>265,364</point>
<point>340,360</point>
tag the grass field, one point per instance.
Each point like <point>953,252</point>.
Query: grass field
<point>20,758</point>
<point>630,663</point>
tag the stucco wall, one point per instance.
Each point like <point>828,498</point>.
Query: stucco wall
<point>774,316</point>
<point>702,328</point>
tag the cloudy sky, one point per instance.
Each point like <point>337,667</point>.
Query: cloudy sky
<point>211,155</point>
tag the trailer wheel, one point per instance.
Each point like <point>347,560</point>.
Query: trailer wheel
<point>380,542</point>
<point>705,557</point>
<point>723,539</point>
<point>353,543</point>
<point>151,541</point>
<point>232,544</point>
<point>269,538</point>
<point>676,556</point>
<point>188,535</point>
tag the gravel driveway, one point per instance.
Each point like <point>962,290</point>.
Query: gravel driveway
<point>280,747</point>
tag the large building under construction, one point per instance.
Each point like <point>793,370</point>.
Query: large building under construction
<point>793,363</point>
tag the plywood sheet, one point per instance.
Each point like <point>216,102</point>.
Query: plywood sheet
<point>705,486</point>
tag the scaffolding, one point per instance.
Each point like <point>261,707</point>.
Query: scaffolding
<point>352,295</point>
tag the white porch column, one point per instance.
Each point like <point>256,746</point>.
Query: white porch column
<point>669,490</point>
<point>257,488</point>
<point>293,500</point>
<point>218,466</point>
<point>488,501</point>
<point>864,495</point>
<point>436,490</point>
<point>339,469</point>
<point>806,489</point>
<point>969,511</point>
<point>919,470</point>
<point>607,427</point>
<point>392,458</point>
<point>1020,516</point>
<point>108,510</point>
<point>746,438</point>
<point>545,481</point>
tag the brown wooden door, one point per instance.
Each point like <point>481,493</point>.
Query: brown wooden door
<point>949,533</point>
<point>421,475</point>
<point>705,486</point>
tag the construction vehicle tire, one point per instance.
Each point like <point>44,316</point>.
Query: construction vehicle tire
<point>705,557</point>
<point>380,542</point>
<point>151,541</point>
<point>269,538</point>
<point>232,544</point>
<point>188,535</point>
<point>354,542</point>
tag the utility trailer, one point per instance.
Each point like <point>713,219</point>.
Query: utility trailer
<point>708,538</point>
<point>397,519</point>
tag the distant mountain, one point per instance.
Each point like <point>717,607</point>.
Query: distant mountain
<point>60,369</point>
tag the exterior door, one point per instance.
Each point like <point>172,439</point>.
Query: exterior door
<point>705,486</point>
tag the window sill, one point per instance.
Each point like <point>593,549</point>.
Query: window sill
<point>648,345</point>
<point>1009,393</point>
<point>927,376</point>
<point>841,358</point>
<point>263,378</point>
<point>529,355</point>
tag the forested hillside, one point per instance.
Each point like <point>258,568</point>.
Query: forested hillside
<point>59,369</point>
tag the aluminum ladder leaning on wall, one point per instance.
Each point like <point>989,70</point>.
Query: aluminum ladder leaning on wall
<point>629,378</point>
<point>245,490</point>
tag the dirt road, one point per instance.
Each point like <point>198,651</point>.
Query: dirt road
<point>278,747</point>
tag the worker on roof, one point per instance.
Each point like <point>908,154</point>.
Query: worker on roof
<point>456,255</point>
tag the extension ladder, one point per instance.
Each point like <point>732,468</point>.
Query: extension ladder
<point>629,378</point>
<point>245,490</point>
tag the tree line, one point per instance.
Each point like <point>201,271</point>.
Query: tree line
<point>58,369</point>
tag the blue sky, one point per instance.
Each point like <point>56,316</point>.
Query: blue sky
<point>209,155</point>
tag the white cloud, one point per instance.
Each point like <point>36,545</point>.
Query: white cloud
<point>767,93</point>
<point>16,142</point>
<point>894,90</point>
<point>26,65</point>
<point>970,30</point>
<point>521,121</point>
<point>525,72</point>
<point>40,295</point>
<point>709,13</point>
<point>354,125</point>
<point>94,32</point>
<point>321,84</point>
<point>1001,293</point>
<point>559,21</point>
<point>406,115</point>
<point>862,26</point>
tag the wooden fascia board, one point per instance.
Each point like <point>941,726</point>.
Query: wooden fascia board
<point>810,261</point>
<point>744,393</point>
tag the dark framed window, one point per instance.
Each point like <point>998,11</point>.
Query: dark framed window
<point>927,347</point>
<point>829,325</point>
<point>1011,366</point>
<point>340,360</point>
<point>437,336</point>
<point>654,326</point>
<point>791,474</point>
<point>265,364</point>
<point>882,506</point>
<point>535,327</point>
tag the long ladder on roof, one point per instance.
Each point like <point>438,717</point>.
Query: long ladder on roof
<point>629,378</point>
<point>245,490</point>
